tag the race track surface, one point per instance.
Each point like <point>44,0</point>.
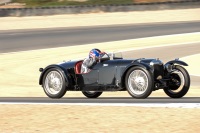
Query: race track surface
<point>28,40</point>
<point>100,100</point>
<point>21,40</point>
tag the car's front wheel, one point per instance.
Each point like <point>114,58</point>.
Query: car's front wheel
<point>91,94</point>
<point>179,83</point>
<point>139,82</point>
<point>54,84</point>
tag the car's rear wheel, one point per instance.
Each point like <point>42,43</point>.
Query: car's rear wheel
<point>54,83</point>
<point>139,82</point>
<point>91,94</point>
<point>179,83</point>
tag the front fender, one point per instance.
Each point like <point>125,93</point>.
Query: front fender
<point>62,70</point>
<point>176,62</point>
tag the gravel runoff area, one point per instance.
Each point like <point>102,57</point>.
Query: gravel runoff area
<point>61,118</point>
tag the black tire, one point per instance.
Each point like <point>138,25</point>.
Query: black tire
<point>91,94</point>
<point>147,82</point>
<point>47,83</point>
<point>170,90</point>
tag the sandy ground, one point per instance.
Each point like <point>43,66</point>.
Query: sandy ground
<point>93,19</point>
<point>19,78</point>
<point>73,119</point>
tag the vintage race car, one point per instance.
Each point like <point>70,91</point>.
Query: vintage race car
<point>113,73</point>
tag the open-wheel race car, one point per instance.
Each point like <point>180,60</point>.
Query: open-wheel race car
<point>113,73</point>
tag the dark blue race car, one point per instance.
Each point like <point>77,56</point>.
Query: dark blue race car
<point>113,73</point>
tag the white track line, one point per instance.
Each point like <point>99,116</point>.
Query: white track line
<point>153,105</point>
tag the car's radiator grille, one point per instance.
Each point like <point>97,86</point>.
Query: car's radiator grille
<point>158,71</point>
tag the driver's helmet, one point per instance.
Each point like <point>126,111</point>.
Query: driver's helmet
<point>95,53</point>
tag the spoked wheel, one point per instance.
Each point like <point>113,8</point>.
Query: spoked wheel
<point>91,94</point>
<point>139,82</point>
<point>179,84</point>
<point>54,83</point>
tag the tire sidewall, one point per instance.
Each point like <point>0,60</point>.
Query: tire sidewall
<point>150,83</point>
<point>63,89</point>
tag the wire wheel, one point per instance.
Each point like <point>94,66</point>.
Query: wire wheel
<point>54,83</point>
<point>138,82</point>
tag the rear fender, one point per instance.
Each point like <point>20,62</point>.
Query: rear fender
<point>62,70</point>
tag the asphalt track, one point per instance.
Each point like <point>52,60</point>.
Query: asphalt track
<point>20,40</point>
<point>164,53</point>
<point>100,100</point>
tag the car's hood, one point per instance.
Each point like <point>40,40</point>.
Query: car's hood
<point>143,60</point>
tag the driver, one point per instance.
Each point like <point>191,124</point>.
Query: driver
<point>88,63</point>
